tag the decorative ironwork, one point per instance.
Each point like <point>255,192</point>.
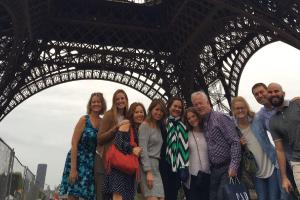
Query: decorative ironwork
<point>158,47</point>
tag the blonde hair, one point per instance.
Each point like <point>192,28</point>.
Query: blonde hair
<point>114,108</point>
<point>250,113</point>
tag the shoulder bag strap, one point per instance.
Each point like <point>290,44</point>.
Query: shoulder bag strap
<point>132,142</point>
<point>197,149</point>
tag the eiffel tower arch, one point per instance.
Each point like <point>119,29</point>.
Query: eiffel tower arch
<point>158,47</point>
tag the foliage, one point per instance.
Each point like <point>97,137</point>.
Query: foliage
<point>16,182</point>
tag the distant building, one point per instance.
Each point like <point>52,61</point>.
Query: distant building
<point>41,176</point>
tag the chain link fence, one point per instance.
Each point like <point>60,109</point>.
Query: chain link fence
<point>17,182</point>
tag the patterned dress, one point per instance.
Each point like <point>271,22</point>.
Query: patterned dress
<point>177,150</point>
<point>117,181</point>
<point>84,187</point>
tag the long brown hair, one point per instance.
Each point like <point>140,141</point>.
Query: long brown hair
<point>114,108</point>
<point>185,120</point>
<point>131,111</point>
<point>152,105</point>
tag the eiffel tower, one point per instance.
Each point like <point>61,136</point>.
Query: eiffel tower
<point>158,47</point>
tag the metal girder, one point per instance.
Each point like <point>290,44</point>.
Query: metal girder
<point>159,47</point>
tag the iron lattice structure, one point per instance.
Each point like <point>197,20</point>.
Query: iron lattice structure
<point>158,47</point>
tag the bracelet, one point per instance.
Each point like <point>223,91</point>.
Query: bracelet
<point>98,153</point>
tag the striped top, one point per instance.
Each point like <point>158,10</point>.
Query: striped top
<point>177,150</point>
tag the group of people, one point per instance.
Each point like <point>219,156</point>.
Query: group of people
<point>196,149</point>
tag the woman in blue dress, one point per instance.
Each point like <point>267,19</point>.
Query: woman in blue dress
<point>78,176</point>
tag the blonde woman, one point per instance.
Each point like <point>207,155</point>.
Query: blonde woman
<point>256,139</point>
<point>112,120</point>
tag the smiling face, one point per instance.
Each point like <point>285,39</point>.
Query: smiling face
<point>192,119</point>
<point>201,104</point>
<point>96,104</point>
<point>157,113</point>
<point>175,109</point>
<point>261,95</point>
<point>240,110</point>
<point>138,114</point>
<point>276,94</point>
<point>121,101</point>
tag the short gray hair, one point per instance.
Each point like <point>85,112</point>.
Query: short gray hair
<point>200,93</point>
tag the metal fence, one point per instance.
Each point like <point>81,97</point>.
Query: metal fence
<point>17,182</point>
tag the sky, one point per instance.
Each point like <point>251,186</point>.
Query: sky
<point>40,129</point>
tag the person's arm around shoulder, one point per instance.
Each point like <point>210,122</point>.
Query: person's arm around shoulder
<point>108,129</point>
<point>74,149</point>
<point>296,99</point>
<point>125,129</point>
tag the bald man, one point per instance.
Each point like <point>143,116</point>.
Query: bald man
<point>285,128</point>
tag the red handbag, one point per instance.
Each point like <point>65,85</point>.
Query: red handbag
<point>127,163</point>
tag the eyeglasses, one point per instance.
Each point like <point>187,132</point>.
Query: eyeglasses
<point>240,108</point>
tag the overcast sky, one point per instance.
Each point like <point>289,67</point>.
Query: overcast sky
<point>40,129</point>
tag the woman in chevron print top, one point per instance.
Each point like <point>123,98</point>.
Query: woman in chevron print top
<point>177,150</point>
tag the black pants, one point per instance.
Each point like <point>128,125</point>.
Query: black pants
<point>198,193</point>
<point>171,183</point>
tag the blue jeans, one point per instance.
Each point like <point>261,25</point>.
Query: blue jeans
<point>289,173</point>
<point>268,188</point>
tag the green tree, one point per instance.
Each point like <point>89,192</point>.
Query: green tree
<point>16,182</point>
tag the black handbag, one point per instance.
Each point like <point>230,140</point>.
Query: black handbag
<point>202,178</point>
<point>235,190</point>
<point>248,161</point>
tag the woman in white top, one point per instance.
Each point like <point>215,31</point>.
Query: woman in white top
<point>198,183</point>
<point>255,137</point>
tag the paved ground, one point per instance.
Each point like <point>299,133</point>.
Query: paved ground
<point>252,196</point>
